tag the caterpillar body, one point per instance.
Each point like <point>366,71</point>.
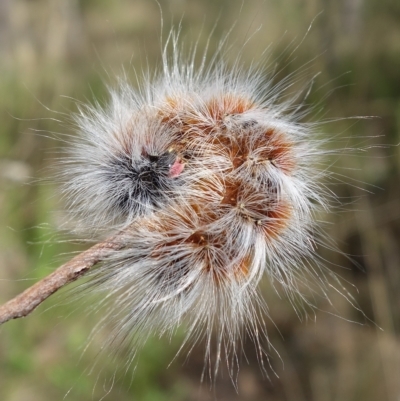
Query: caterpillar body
<point>215,182</point>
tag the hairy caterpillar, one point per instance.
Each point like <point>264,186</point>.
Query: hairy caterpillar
<point>215,182</point>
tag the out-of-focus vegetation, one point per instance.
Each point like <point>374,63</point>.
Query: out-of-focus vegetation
<point>53,51</point>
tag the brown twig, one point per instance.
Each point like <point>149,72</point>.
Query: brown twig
<point>24,303</point>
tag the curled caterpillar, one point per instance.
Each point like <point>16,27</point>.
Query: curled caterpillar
<point>216,183</point>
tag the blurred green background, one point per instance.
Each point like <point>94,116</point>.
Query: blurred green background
<point>56,52</point>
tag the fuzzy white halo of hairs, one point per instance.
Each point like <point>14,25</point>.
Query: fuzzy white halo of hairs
<point>215,182</point>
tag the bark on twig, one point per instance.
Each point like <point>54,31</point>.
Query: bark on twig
<point>24,303</point>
